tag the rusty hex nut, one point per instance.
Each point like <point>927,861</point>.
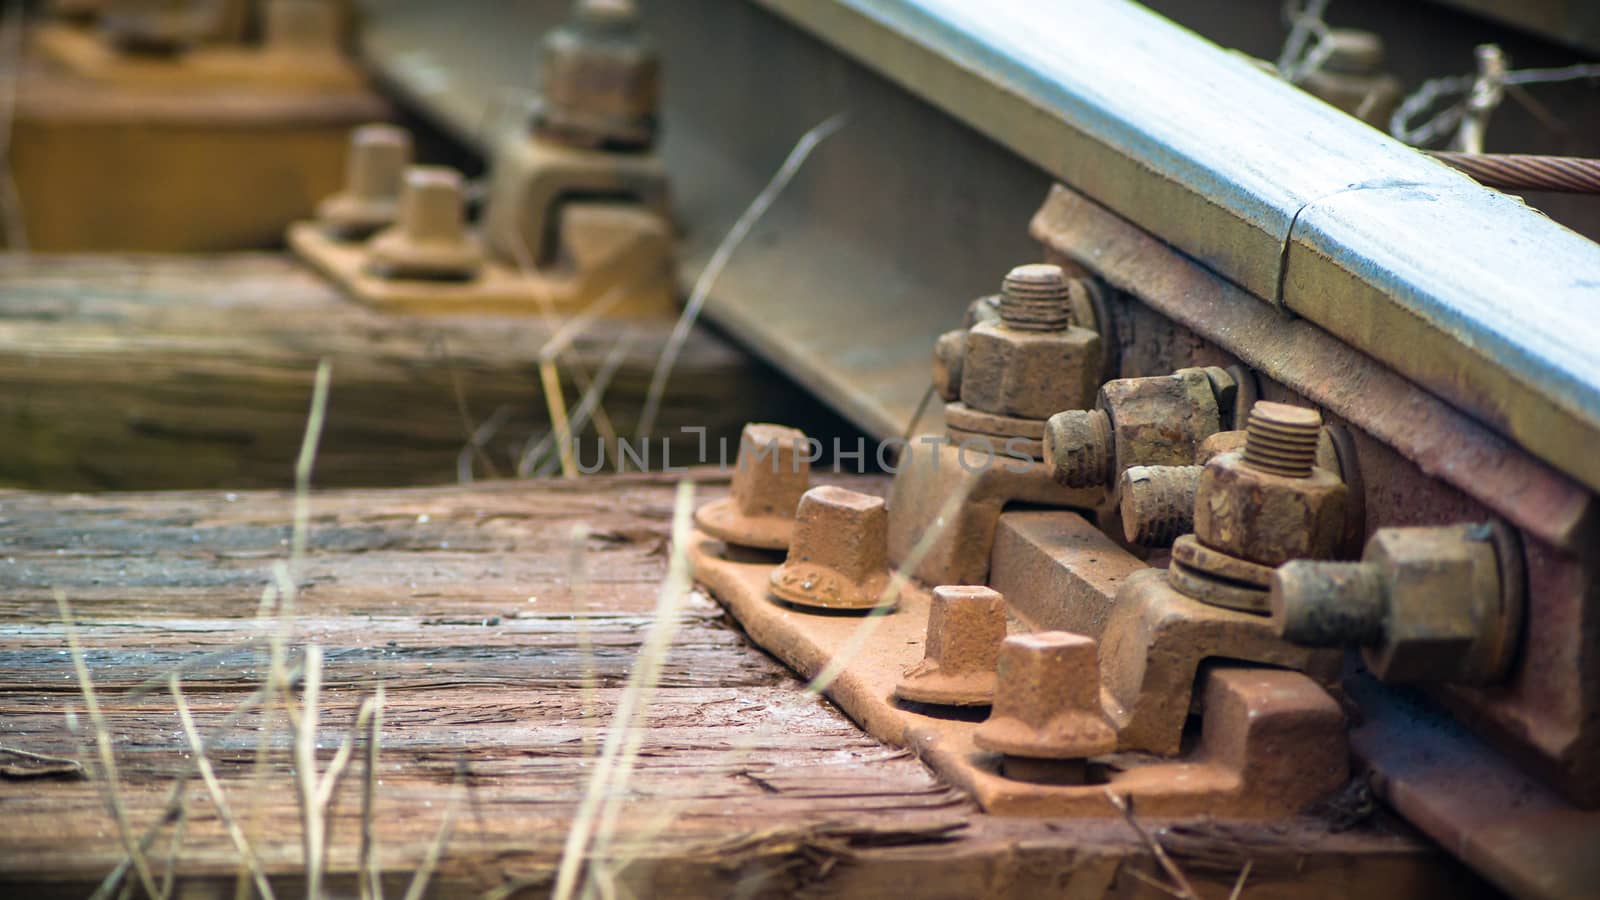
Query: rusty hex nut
<point>1430,604</point>
<point>1267,518</point>
<point>772,472</point>
<point>1029,374</point>
<point>1270,502</point>
<point>1047,700</point>
<point>839,556</point>
<point>600,80</point>
<point>966,624</point>
<point>948,353</point>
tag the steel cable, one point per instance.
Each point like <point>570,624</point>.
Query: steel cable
<point>1526,172</point>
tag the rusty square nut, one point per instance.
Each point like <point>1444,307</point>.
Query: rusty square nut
<point>772,472</point>
<point>1029,374</point>
<point>839,557</point>
<point>1047,701</point>
<point>966,624</point>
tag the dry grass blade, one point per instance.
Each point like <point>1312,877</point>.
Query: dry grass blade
<point>42,765</point>
<point>173,808</point>
<point>1183,888</point>
<point>578,581</point>
<point>615,763</point>
<point>564,335</point>
<point>214,787</point>
<point>265,609</point>
<point>305,770</point>
<point>371,886</point>
<point>169,874</point>
<point>719,261</point>
<point>475,435</point>
<point>917,414</point>
<point>588,405</point>
<point>556,401</point>
<point>306,459</point>
<point>316,790</point>
<point>1244,875</point>
<point>108,761</point>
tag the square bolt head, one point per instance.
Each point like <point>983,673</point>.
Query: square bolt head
<point>773,470</point>
<point>966,624</point>
<point>838,557</point>
<point>1030,374</point>
<point>1265,518</point>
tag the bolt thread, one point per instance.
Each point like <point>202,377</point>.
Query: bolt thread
<point>1158,503</point>
<point>1326,604</point>
<point>1282,439</point>
<point>1036,298</point>
<point>1079,447</point>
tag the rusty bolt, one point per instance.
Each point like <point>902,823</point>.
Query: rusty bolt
<point>430,241</point>
<point>1282,439</point>
<point>1047,707</point>
<point>839,556</point>
<point>1079,447</point>
<point>600,80</point>
<point>1425,604</point>
<point>1270,503</point>
<point>772,472</point>
<point>1154,421</point>
<point>1157,503</point>
<point>1036,298</point>
<point>948,352</point>
<point>965,627</point>
<point>375,170</point>
<point>1034,361</point>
